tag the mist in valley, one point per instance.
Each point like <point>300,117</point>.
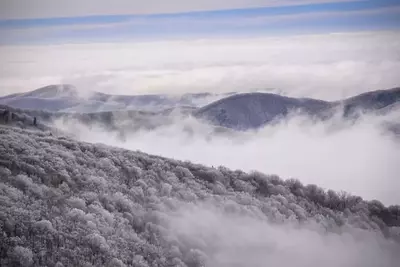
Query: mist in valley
<point>341,154</point>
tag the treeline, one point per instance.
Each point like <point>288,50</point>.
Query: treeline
<point>69,203</point>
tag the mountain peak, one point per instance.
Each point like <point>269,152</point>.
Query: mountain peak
<point>252,110</point>
<point>53,91</point>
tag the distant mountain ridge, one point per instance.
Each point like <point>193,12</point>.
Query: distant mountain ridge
<point>376,100</point>
<point>236,111</point>
<point>253,110</point>
<point>66,98</point>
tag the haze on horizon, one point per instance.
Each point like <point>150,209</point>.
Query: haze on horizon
<point>327,50</point>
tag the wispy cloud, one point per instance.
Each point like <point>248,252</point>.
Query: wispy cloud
<point>21,9</point>
<point>330,18</point>
<point>236,20</point>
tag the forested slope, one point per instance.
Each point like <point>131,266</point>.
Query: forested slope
<point>69,203</point>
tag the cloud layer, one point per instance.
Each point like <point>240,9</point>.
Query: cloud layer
<point>359,158</point>
<point>328,66</point>
<point>242,240</point>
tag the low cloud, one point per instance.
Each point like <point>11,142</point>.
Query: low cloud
<point>328,66</point>
<point>244,239</point>
<point>360,158</point>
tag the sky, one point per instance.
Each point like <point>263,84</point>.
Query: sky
<point>45,21</point>
<point>323,49</point>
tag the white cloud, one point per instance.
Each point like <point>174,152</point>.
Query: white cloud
<point>329,66</point>
<point>11,9</point>
<point>242,239</point>
<point>360,158</point>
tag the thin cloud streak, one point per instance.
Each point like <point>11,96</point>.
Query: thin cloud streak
<point>20,9</point>
<point>237,20</point>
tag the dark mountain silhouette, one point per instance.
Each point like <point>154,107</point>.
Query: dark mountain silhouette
<point>374,100</point>
<point>253,110</point>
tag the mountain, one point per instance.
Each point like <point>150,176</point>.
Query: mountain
<point>69,203</point>
<point>238,111</point>
<point>50,91</point>
<point>66,98</point>
<point>253,110</point>
<point>374,100</point>
<point>52,97</point>
<point>53,91</point>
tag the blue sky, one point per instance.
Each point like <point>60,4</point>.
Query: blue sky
<point>44,23</point>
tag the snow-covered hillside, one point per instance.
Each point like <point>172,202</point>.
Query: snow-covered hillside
<point>52,97</point>
<point>374,100</point>
<point>69,203</point>
<point>239,111</point>
<point>67,98</point>
<point>253,110</point>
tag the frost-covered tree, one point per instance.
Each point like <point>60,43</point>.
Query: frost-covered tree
<point>69,203</point>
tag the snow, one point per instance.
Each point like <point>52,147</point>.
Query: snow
<point>99,205</point>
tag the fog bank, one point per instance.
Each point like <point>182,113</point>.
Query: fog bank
<point>361,158</point>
